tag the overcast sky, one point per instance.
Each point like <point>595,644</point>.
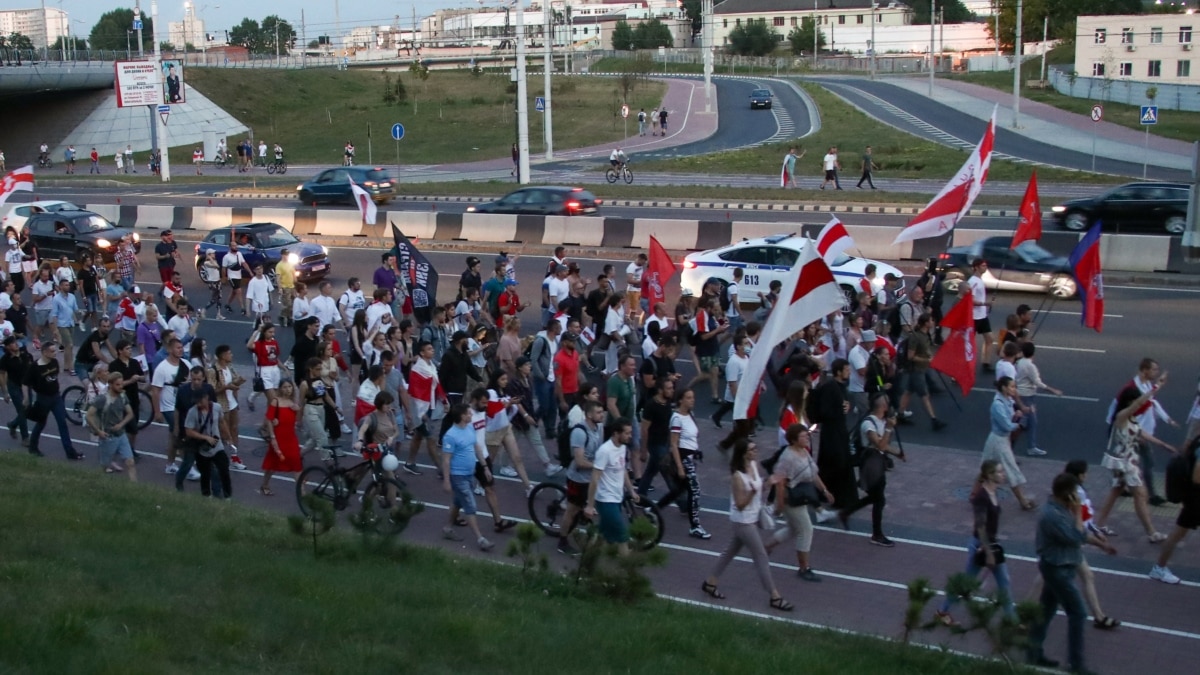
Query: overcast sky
<point>220,15</point>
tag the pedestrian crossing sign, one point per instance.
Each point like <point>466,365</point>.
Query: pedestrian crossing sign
<point>539,104</point>
<point>1149,114</point>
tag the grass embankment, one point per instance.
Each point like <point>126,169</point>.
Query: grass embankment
<point>109,577</point>
<point>451,117</point>
<point>1180,125</point>
<point>898,154</point>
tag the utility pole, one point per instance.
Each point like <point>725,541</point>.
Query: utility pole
<point>277,41</point>
<point>303,42</point>
<point>932,33</point>
<point>548,52</point>
<point>164,145</point>
<point>522,98</point>
<point>1045,41</point>
<point>874,9</point>
<point>337,25</point>
<point>1017,70</point>
<point>816,35</point>
<point>706,40</point>
<point>996,33</point>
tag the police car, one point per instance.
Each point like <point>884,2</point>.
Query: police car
<point>767,259</point>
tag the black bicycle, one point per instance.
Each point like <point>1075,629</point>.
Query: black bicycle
<point>548,508</point>
<point>77,397</point>
<point>617,172</point>
<point>339,485</point>
<point>278,166</point>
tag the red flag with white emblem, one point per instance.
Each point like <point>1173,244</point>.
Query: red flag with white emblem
<point>659,271</point>
<point>1029,226</point>
<point>956,357</point>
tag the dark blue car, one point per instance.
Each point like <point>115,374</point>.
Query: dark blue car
<point>263,243</point>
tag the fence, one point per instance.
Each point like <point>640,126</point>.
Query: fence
<point>1168,96</point>
<point>728,64</point>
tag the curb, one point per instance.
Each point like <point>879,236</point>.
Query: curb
<point>683,204</point>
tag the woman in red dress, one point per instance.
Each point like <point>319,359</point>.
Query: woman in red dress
<point>283,448</point>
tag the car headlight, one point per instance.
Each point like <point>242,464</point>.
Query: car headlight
<point>299,187</point>
<point>325,250</point>
<point>103,243</point>
<point>470,209</point>
<point>293,258</point>
<point>1058,209</point>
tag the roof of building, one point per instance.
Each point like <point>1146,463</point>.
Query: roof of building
<point>765,6</point>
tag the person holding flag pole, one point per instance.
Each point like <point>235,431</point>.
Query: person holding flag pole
<point>787,174</point>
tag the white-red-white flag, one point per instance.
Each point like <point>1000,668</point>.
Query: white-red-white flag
<point>944,211</point>
<point>366,205</point>
<point>17,179</point>
<point>811,293</point>
<point>833,240</point>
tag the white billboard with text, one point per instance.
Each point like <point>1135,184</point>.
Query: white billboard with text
<point>138,83</point>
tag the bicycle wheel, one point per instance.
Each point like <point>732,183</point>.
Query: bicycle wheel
<point>145,409</point>
<point>378,501</point>
<point>282,167</point>
<point>547,506</point>
<point>75,401</point>
<point>270,168</point>
<point>648,510</point>
<point>316,480</point>
<point>628,176</point>
<point>611,175</point>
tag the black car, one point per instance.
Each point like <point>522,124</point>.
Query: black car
<point>1133,206</point>
<point>263,243</point>
<point>73,233</point>
<point>332,186</point>
<point>544,200</point>
<point>1028,267</point>
<point>760,98</point>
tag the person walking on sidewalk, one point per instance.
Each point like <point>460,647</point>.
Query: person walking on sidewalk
<point>796,474</point>
<point>876,433</point>
<point>95,157</point>
<point>654,122</point>
<point>662,120</point>
<point>789,168</point>
<point>642,122</point>
<point>832,166</point>
<point>1029,382</point>
<point>868,165</point>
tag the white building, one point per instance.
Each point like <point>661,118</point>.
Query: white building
<point>190,31</point>
<point>44,26</point>
<point>1147,48</point>
<point>831,15</point>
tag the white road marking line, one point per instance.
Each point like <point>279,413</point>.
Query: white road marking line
<point>1155,288</point>
<point>1072,349</point>
<point>1043,397</point>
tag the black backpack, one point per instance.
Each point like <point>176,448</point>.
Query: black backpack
<point>724,298</point>
<point>894,320</point>
<point>1180,469</point>
<point>565,453</point>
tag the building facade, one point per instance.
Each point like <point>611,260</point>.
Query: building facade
<point>1146,48</point>
<point>831,15</point>
<point>43,26</point>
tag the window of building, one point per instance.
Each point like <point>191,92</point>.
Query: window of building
<point>1101,36</point>
<point>1097,69</point>
<point>859,18</point>
<point>724,23</point>
<point>1183,69</point>
<point>737,22</point>
<point>1185,34</point>
<point>841,19</point>
<point>1126,36</point>
<point>794,21</point>
<point>779,21</point>
<point>1154,69</point>
<point>1125,69</point>
<point>1155,36</point>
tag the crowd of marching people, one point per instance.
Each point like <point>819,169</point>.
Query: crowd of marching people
<point>594,393</point>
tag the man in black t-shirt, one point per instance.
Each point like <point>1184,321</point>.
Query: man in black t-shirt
<point>92,349</point>
<point>656,433</point>
<point>132,377</point>
<point>167,253</point>
<point>13,365</point>
<point>470,277</point>
<point>186,396</point>
<point>42,378</point>
<point>306,344</point>
<point>91,289</point>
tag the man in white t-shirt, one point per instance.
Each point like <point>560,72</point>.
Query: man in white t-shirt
<point>981,307</point>
<point>380,310</point>
<point>558,288</point>
<point>258,293</point>
<point>43,302</point>
<point>324,307</point>
<point>234,263</point>
<point>859,357</point>
<point>351,301</point>
<point>633,279</point>
<point>734,369</point>
<point>734,313</point>
<point>610,482</point>
<point>832,166</point>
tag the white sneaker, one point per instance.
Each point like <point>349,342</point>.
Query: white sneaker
<point>825,515</point>
<point>484,544</point>
<point>1163,574</point>
<point>479,491</point>
<point>907,414</point>
<point>1035,452</point>
<point>346,429</point>
<point>237,465</point>
<point>193,474</point>
<point>171,469</point>
<point>553,468</point>
<point>508,472</point>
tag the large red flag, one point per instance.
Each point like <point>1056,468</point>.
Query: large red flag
<point>956,357</point>
<point>17,179</point>
<point>1029,226</point>
<point>659,271</point>
<point>1085,261</point>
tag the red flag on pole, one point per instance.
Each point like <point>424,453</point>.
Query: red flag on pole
<point>1085,261</point>
<point>956,357</point>
<point>659,271</point>
<point>1029,226</point>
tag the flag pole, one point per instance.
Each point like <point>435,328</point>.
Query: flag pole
<point>949,390</point>
<point>1037,316</point>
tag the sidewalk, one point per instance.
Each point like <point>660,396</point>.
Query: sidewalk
<point>1052,126</point>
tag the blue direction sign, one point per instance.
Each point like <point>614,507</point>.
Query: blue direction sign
<point>1149,114</point>
<point>397,131</point>
<point>137,24</point>
<point>539,104</point>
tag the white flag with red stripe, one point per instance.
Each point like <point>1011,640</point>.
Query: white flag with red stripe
<point>17,179</point>
<point>366,205</point>
<point>944,211</point>
<point>833,240</point>
<point>812,294</point>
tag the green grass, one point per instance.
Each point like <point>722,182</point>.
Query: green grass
<point>1176,124</point>
<point>451,117</point>
<point>101,576</point>
<point>898,154</point>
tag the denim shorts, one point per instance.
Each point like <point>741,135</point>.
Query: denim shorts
<point>613,526</point>
<point>464,496</point>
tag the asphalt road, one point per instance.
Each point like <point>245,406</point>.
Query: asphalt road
<point>907,110</point>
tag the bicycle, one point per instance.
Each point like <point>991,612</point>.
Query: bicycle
<point>278,166</point>
<point>339,484</point>
<point>76,400</point>
<point>622,172</point>
<point>548,503</point>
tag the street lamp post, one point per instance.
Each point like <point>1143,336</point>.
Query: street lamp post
<point>128,48</point>
<point>874,9</point>
<point>816,35</point>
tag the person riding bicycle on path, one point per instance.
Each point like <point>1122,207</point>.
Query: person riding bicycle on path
<point>43,152</point>
<point>617,158</point>
<point>278,153</point>
<point>348,154</point>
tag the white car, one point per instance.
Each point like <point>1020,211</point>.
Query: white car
<point>19,213</point>
<point>766,259</point>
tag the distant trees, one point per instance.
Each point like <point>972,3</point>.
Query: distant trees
<point>753,38</point>
<point>801,37</point>
<point>622,36</point>
<point>261,38</point>
<point>648,35</point>
<point>111,32</point>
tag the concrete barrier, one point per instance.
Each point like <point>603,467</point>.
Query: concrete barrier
<point>337,223</point>
<point>584,231</point>
<point>412,224</point>
<point>155,216</point>
<point>284,217</point>
<point>679,235</point>
<point>486,227</point>
<point>212,217</point>
<point>1134,253</point>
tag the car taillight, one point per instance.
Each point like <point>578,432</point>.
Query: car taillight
<point>688,265</point>
<point>369,183</point>
<point>573,205</point>
<point>943,256</point>
<point>598,202</point>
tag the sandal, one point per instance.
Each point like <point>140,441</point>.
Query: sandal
<point>781,604</point>
<point>505,524</point>
<point>712,591</point>
<point>265,491</point>
<point>1108,531</point>
<point>1157,538</point>
<point>460,522</point>
<point>1106,623</point>
<point>1029,505</point>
